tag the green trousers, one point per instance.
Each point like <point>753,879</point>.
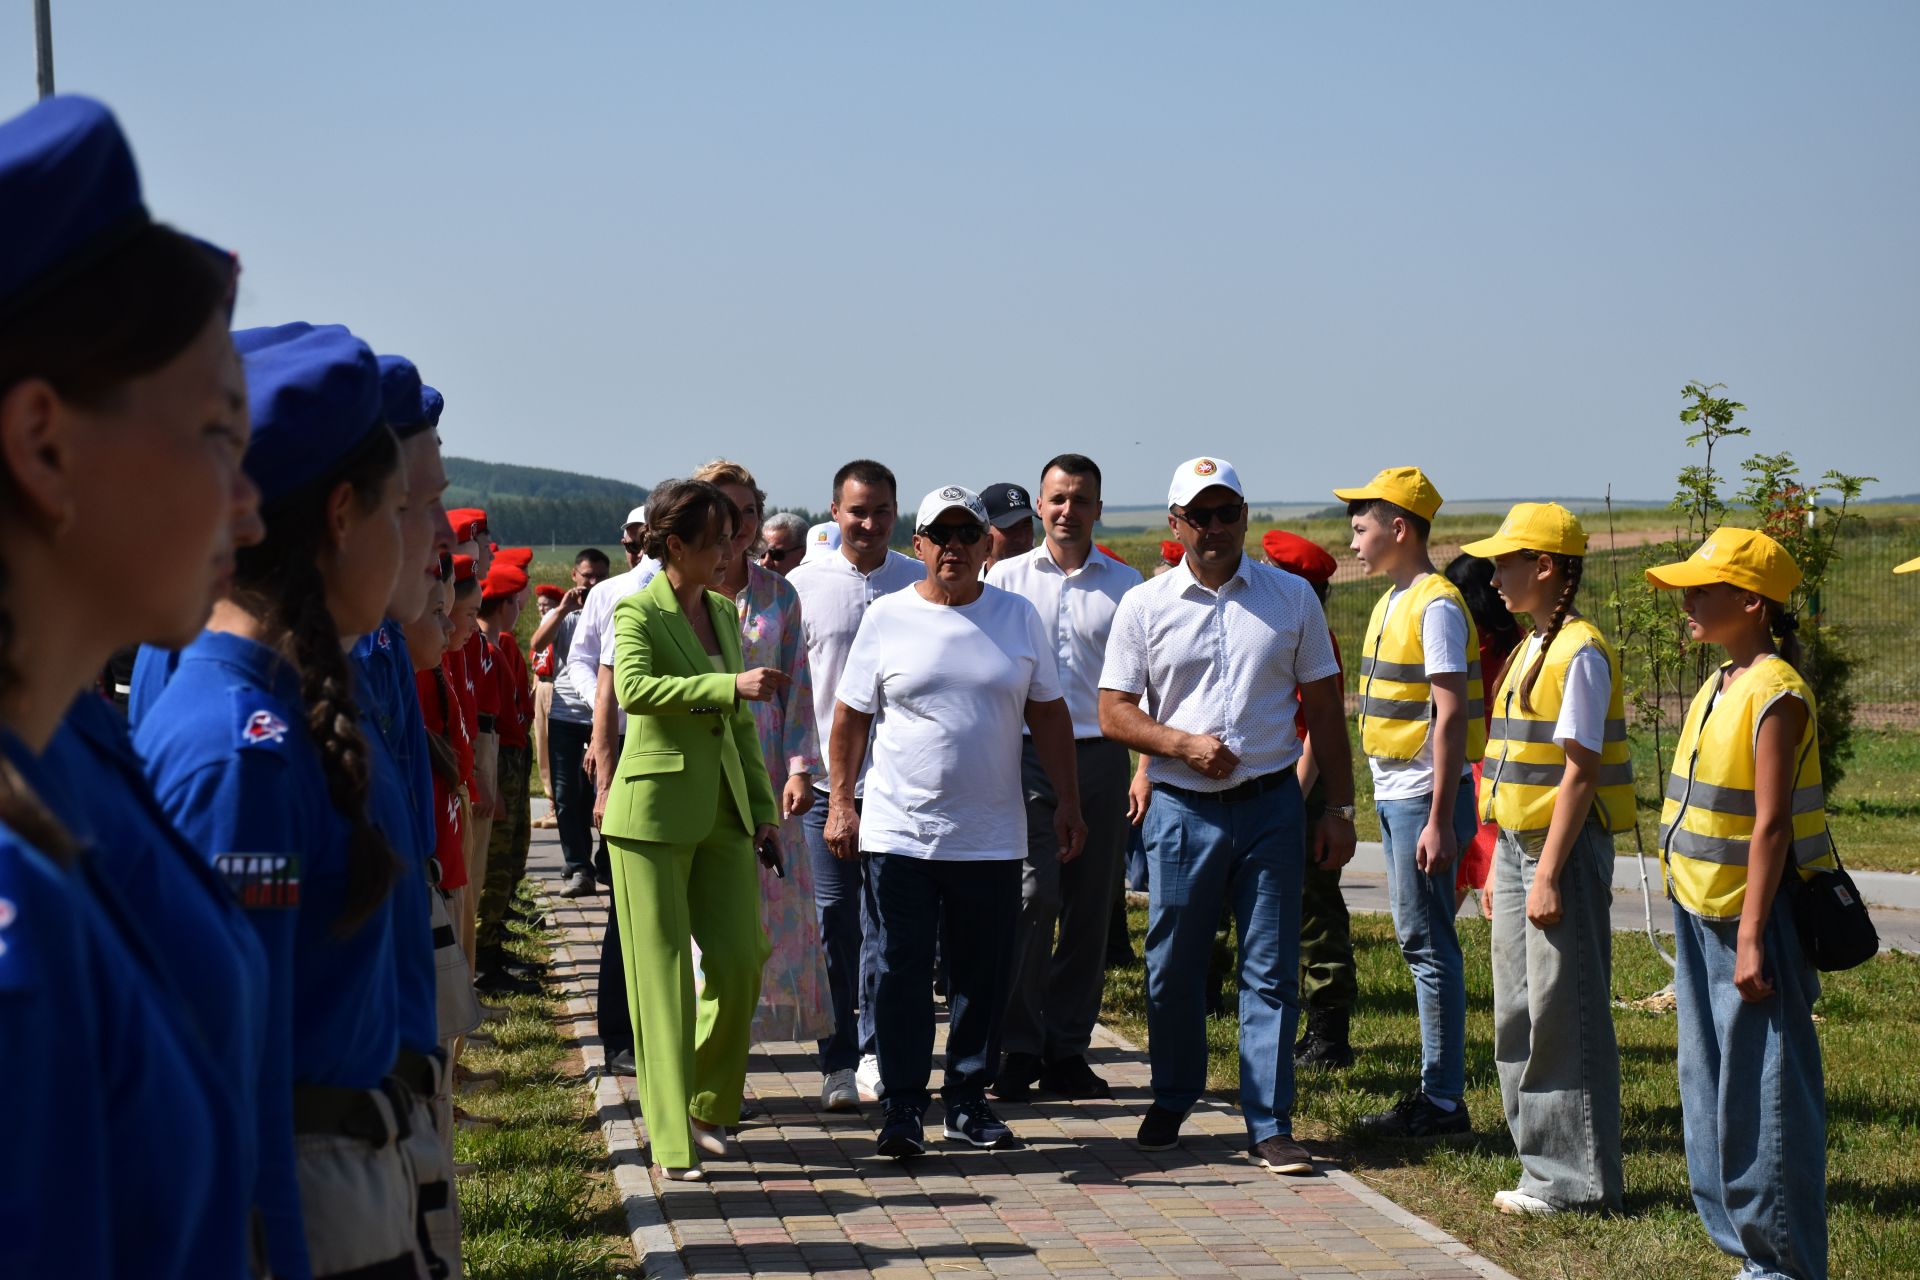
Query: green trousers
<point>690,1055</point>
<point>506,847</point>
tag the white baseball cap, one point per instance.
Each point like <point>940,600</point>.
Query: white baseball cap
<point>951,497</point>
<point>822,540</point>
<point>1196,475</point>
<point>636,516</point>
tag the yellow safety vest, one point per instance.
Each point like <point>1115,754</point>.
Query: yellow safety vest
<point>1524,763</point>
<point>1396,699</point>
<point>1706,824</point>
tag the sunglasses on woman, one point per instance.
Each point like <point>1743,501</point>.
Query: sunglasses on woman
<point>964,534</point>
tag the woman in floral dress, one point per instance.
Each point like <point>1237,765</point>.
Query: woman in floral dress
<point>794,1004</point>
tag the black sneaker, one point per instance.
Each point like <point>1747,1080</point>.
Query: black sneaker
<point>504,981</point>
<point>622,1064</point>
<point>1159,1129</point>
<point>1281,1154</point>
<point>1325,1042</point>
<point>1073,1078</point>
<point>1018,1071</point>
<point>975,1123</point>
<point>1417,1116</point>
<point>903,1134</point>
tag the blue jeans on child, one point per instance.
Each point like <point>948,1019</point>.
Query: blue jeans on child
<point>1204,853</point>
<point>1752,1098</point>
<point>1423,909</point>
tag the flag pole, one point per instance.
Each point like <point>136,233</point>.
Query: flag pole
<point>43,45</point>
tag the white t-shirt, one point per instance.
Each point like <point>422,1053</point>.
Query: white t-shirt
<point>1583,703</point>
<point>948,688</point>
<point>1443,634</point>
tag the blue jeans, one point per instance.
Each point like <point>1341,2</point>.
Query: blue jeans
<point>1752,1098</point>
<point>1423,911</point>
<point>1203,854</point>
<point>850,933</point>
<point>973,910</point>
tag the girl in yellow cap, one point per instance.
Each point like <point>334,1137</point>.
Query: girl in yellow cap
<point>1744,806</point>
<point>1558,783</point>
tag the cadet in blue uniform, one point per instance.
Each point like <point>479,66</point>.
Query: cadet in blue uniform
<point>257,751</point>
<point>120,401</point>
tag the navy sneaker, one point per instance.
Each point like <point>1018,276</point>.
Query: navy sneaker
<point>975,1123</point>
<point>903,1133</point>
<point>1417,1117</point>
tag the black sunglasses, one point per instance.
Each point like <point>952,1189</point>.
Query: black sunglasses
<point>1227,513</point>
<point>781,553</point>
<point>964,534</point>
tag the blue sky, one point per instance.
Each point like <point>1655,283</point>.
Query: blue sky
<point>1495,240</point>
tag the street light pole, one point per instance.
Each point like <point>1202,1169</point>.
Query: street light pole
<point>43,45</point>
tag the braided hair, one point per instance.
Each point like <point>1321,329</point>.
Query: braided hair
<point>1785,626</point>
<point>279,582</point>
<point>1571,568</point>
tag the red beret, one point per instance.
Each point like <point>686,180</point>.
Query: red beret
<point>503,580</point>
<point>463,568</point>
<point>473,517</point>
<point>1296,555</point>
<point>519,557</point>
<point>547,591</point>
<point>1173,552</point>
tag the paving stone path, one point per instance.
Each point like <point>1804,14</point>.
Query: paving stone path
<point>810,1197</point>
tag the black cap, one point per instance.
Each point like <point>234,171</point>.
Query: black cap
<point>1007,504</point>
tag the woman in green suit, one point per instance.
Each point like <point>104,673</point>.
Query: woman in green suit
<point>690,805</point>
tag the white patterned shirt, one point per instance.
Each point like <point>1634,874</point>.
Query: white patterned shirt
<point>1077,611</point>
<point>1224,663</point>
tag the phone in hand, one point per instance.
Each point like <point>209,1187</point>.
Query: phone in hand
<point>769,851</point>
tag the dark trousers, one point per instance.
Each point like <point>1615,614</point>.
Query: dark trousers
<point>615,1019</point>
<point>1327,977</point>
<point>507,848</point>
<point>572,793</point>
<point>850,933</point>
<point>973,909</point>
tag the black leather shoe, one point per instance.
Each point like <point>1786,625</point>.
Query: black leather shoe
<point>1159,1129</point>
<point>1018,1071</point>
<point>1073,1078</point>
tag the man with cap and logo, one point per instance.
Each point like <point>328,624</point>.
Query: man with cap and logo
<point>944,674</point>
<point>1056,987</point>
<point>1203,664</point>
<point>1009,522</point>
<point>836,588</point>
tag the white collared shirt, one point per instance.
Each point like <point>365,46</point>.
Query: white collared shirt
<point>833,599</point>
<point>1224,663</point>
<point>594,632</point>
<point>1076,609</point>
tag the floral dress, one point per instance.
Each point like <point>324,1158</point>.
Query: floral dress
<point>794,1003</point>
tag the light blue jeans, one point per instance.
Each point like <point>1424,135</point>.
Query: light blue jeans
<point>1423,910</point>
<point>1752,1098</point>
<point>1204,853</point>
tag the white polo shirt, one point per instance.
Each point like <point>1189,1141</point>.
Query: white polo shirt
<point>594,633</point>
<point>1222,662</point>
<point>1076,611</point>
<point>833,599</point>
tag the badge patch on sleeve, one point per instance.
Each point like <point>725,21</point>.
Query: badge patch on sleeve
<point>261,881</point>
<point>261,728</point>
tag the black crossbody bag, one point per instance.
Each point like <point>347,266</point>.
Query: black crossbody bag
<point>1835,930</point>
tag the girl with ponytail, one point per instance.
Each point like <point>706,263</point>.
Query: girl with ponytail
<point>121,409</point>
<point>259,750</point>
<point>1557,785</point>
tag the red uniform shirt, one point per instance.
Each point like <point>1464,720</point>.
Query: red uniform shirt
<point>482,658</point>
<point>460,680</point>
<point>516,693</point>
<point>441,711</point>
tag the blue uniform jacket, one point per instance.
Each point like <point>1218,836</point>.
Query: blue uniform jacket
<point>228,753</point>
<point>152,668</point>
<point>113,1163</point>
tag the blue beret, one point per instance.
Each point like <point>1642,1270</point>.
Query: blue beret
<point>401,397</point>
<point>315,395</point>
<point>432,403</point>
<point>69,193</point>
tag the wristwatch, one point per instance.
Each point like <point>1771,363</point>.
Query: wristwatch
<point>1341,811</point>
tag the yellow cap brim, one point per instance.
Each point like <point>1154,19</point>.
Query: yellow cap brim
<point>1911,566</point>
<point>1358,495</point>
<point>1488,548</point>
<point>1372,493</point>
<point>1684,573</point>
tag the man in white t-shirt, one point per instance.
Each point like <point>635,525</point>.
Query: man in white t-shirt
<point>1057,986</point>
<point>1201,672</point>
<point>944,675</point>
<point>836,586</point>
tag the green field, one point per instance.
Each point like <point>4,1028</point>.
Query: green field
<point>1869,1037</point>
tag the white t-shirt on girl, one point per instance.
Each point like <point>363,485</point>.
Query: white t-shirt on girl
<point>1583,704</point>
<point>948,688</point>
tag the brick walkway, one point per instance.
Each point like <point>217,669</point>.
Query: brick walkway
<point>811,1197</point>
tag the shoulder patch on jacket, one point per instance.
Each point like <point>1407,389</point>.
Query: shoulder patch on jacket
<point>259,720</point>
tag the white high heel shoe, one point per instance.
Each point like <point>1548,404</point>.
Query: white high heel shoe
<point>712,1141</point>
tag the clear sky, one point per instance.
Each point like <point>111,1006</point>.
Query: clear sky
<point>1312,238</point>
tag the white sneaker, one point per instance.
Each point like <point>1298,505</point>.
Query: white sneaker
<point>867,1078</point>
<point>1519,1202</point>
<point>839,1091</point>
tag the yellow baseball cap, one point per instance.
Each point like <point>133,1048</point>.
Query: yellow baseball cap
<point>1402,486</point>
<point>1909,567</point>
<point>1744,558</point>
<point>1534,526</point>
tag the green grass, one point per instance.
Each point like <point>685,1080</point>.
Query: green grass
<point>542,1205</point>
<point>1871,1042</point>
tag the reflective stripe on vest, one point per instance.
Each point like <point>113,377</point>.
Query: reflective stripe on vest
<point>1396,698</point>
<point>1525,766</point>
<point>1706,823</point>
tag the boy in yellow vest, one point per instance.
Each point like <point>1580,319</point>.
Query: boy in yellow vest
<point>1422,726</point>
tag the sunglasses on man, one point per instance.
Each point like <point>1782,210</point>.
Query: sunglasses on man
<point>964,534</point>
<point>1227,513</point>
<point>780,555</point>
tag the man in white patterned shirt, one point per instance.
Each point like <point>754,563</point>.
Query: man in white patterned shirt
<point>1214,650</point>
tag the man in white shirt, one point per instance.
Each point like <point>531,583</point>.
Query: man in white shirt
<point>1056,988</point>
<point>836,587</point>
<point>943,675</point>
<point>1202,667</point>
<point>569,727</point>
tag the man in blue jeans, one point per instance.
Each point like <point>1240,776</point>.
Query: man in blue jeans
<point>1201,670</point>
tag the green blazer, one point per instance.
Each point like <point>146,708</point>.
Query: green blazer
<point>689,734</point>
